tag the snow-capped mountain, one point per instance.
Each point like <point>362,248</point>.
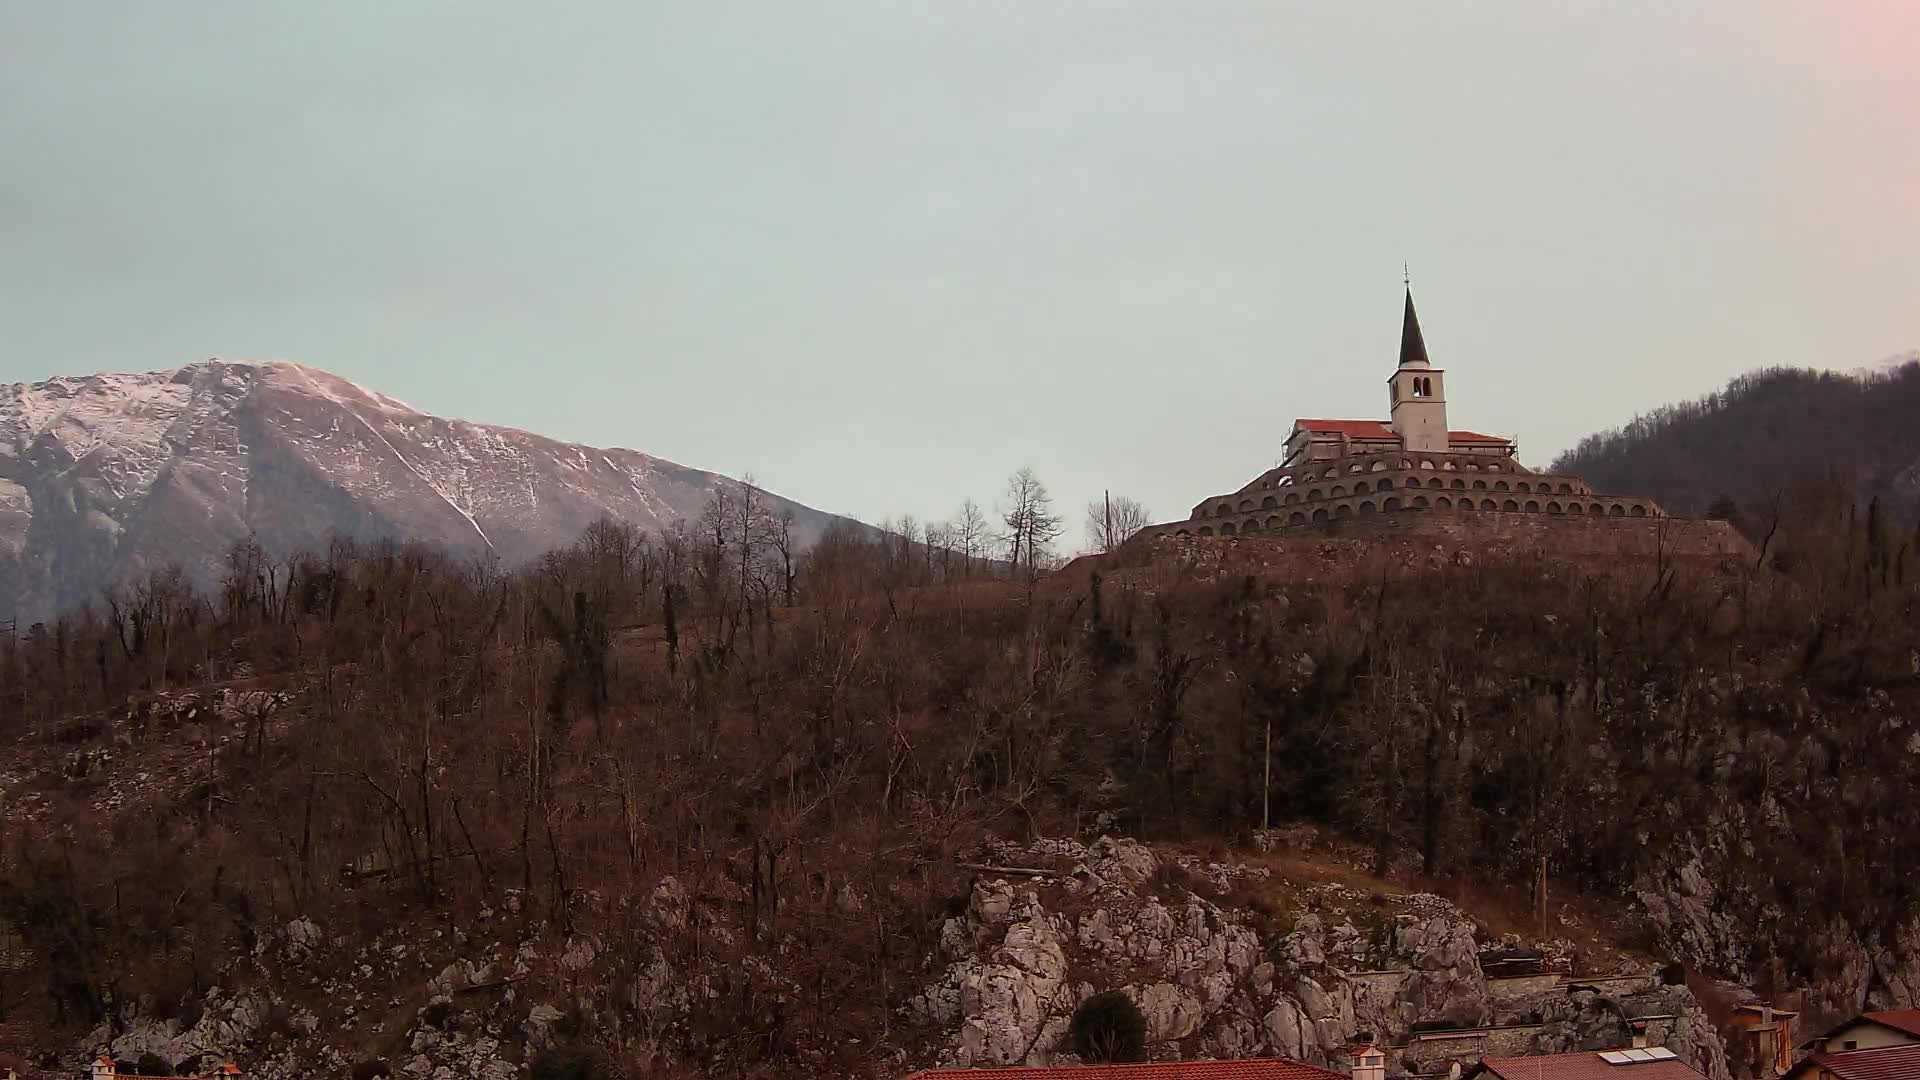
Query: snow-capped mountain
<point>103,477</point>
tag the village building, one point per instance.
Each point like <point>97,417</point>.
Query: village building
<point>1761,1040</point>
<point>1249,1069</point>
<point>104,1068</point>
<point>1880,1063</point>
<point>1413,461</point>
<point>1639,1063</point>
<point>1872,1046</point>
<point>1870,1031</point>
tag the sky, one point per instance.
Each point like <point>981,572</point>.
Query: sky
<point>880,255</point>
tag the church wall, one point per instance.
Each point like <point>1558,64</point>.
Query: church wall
<point>1586,536</point>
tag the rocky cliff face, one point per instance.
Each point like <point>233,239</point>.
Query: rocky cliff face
<point>1299,974</point>
<point>1212,981</point>
<point>105,477</point>
<point>1717,907</point>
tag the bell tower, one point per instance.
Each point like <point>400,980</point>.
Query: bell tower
<point>1418,390</point>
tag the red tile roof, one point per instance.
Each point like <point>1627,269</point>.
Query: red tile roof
<point>1886,1063</point>
<point>1260,1069</point>
<point>1588,1065</point>
<point>1907,1020</point>
<point>1379,429</point>
<point>1352,429</point>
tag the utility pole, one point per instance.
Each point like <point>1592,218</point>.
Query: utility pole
<point>1266,776</point>
<point>1106,538</point>
<point>1540,893</point>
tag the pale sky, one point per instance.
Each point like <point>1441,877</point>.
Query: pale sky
<point>882,254</point>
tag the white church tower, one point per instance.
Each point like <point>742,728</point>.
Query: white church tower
<point>1419,391</point>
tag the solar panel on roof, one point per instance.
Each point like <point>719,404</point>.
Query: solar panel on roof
<point>1638,1055</point>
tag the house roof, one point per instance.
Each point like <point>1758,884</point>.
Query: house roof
<point>1907,1020</point>
<point>1379,429</point>
<point>1886,1063</point>
<point>1252,1069</point>
<point>1904,1021</point>
<point>1587,1065</point>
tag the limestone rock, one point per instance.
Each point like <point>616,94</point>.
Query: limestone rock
<point>1446,982</point>
<point>1172,1013</point>
<point>226,1024</point>
<point>1121,860</point>
<point>1287,1029</point>
<point>302,939</point>
<point>669,906</point>
<point>1003,1001</point>
<point>539,1026</point>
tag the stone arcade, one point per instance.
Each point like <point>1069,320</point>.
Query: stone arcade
<point>1412,461</point>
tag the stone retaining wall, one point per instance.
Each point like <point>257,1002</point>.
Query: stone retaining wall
<point>1553,534</point>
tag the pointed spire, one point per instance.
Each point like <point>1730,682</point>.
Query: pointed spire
<point>1413,347</point>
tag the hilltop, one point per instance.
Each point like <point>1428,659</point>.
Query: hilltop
<point>636,806</point>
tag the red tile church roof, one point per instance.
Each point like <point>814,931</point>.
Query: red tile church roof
<point>1353,429</point>
<point>1378,429</point>
<point>1262,1069</point>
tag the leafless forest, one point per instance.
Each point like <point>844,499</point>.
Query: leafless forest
<point>808,742</point>
<point>1742,447</point>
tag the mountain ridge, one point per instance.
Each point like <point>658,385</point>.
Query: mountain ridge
<point>104,477</point>
<point>1765,432</point>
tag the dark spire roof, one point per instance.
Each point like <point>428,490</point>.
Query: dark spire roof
<point>1413,347</point>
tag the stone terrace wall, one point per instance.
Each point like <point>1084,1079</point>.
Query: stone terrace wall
<point>1308,494</point>
<point>1555,535</point>
<point>1565,536</point>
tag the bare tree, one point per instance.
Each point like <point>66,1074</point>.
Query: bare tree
<point>785,550</point>
<point>750,529</point>
<point>1032,526</point>
<point>938,547</point>
<point>970,535</point>
<point>1112,520</point>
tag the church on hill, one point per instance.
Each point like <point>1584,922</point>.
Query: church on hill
<point>1411,461</point>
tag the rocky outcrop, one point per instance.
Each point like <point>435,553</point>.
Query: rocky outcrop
<point>1446,983</point>
<point>1223,960</point>
<point>227,1023</point>
<point>1219,981</point>
<point>1716,908</point>
<point>1007,978</point>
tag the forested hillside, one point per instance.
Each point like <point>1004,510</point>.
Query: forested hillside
<point>403,798</point>
<point>1766,431</point>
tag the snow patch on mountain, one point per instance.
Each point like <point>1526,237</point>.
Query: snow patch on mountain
<point>105,477</point>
